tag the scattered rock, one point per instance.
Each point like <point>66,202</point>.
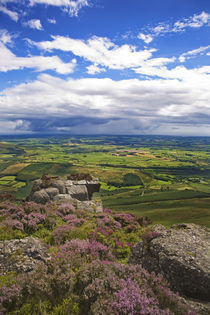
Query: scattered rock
<point>22,255</point>
<point>90,206</point>
<point>182,255</point>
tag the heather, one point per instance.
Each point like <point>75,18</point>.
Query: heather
<point>87,271</point>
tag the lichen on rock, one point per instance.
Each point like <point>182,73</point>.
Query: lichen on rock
<point>22,255</point>
<point>182,255</point>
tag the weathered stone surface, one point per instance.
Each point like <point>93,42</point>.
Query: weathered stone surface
<point>199,307</point>
<point>40,196</point>
<point>51,188</point>
<point>182,255</point>
<point>22,255</point>
<point>52,192</point>
<point>92,186</point>
<point>60,185</point>
<point>63,197</point>
<point>78,192</point>
<point>91,206</point>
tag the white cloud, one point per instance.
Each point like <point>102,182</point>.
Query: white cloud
<point>52,21</point>
<point>99,50</point>
<point>5,37</point>
<point>178,73</point>
<point>195,21</point>
<point>105,105</point>
<point>34,24</point>
<point>17,126</point>
<point>7,1</point>
<point>13,15</point>
<point>93,69</point>
<point>146,38</point>
<point>193,53</point>
<point>161,28</point>
<point>8,61</point>
<point>71,6</point>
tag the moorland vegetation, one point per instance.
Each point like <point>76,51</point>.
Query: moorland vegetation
<point>87,271</point>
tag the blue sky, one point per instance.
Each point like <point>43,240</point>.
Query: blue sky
<point>105,67</point>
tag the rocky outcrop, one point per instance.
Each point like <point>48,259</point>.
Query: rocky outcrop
<point>181,254</point>
<point>54,188</point>
<point>22,255</point>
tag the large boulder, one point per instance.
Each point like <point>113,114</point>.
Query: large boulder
<point>22,255</point>
<point>181,254</point>
<point>77,191</point>
<point>40,196</point>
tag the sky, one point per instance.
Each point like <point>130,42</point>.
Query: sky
<point>105,67</point>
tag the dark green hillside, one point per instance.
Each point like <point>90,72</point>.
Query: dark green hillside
<point>35,171</point>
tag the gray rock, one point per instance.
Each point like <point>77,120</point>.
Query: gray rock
<point>90,206</point>
<point>51,188</point>
<point>63,197</point>
<point>80,182</point>
<point>182,255</point>
<point>92,187</point>
<point>40,196</point>
<point>22,255</point>
<point>52,192</point>
<point>78,192</point>
<point>60,185</point>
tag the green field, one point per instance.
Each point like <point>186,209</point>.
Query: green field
<point>165,178</point>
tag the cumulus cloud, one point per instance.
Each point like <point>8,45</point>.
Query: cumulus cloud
<point>12,14</point>
<point>93,69</point>
<point>195,21</point>
<point>193,53</point>
<point>93,105</point>
<point>15,126</point>
<point>8,61</point>
<point>5,37</point>
<point>34,24</point>
<point>104,54</point>
<point>100,51</point>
